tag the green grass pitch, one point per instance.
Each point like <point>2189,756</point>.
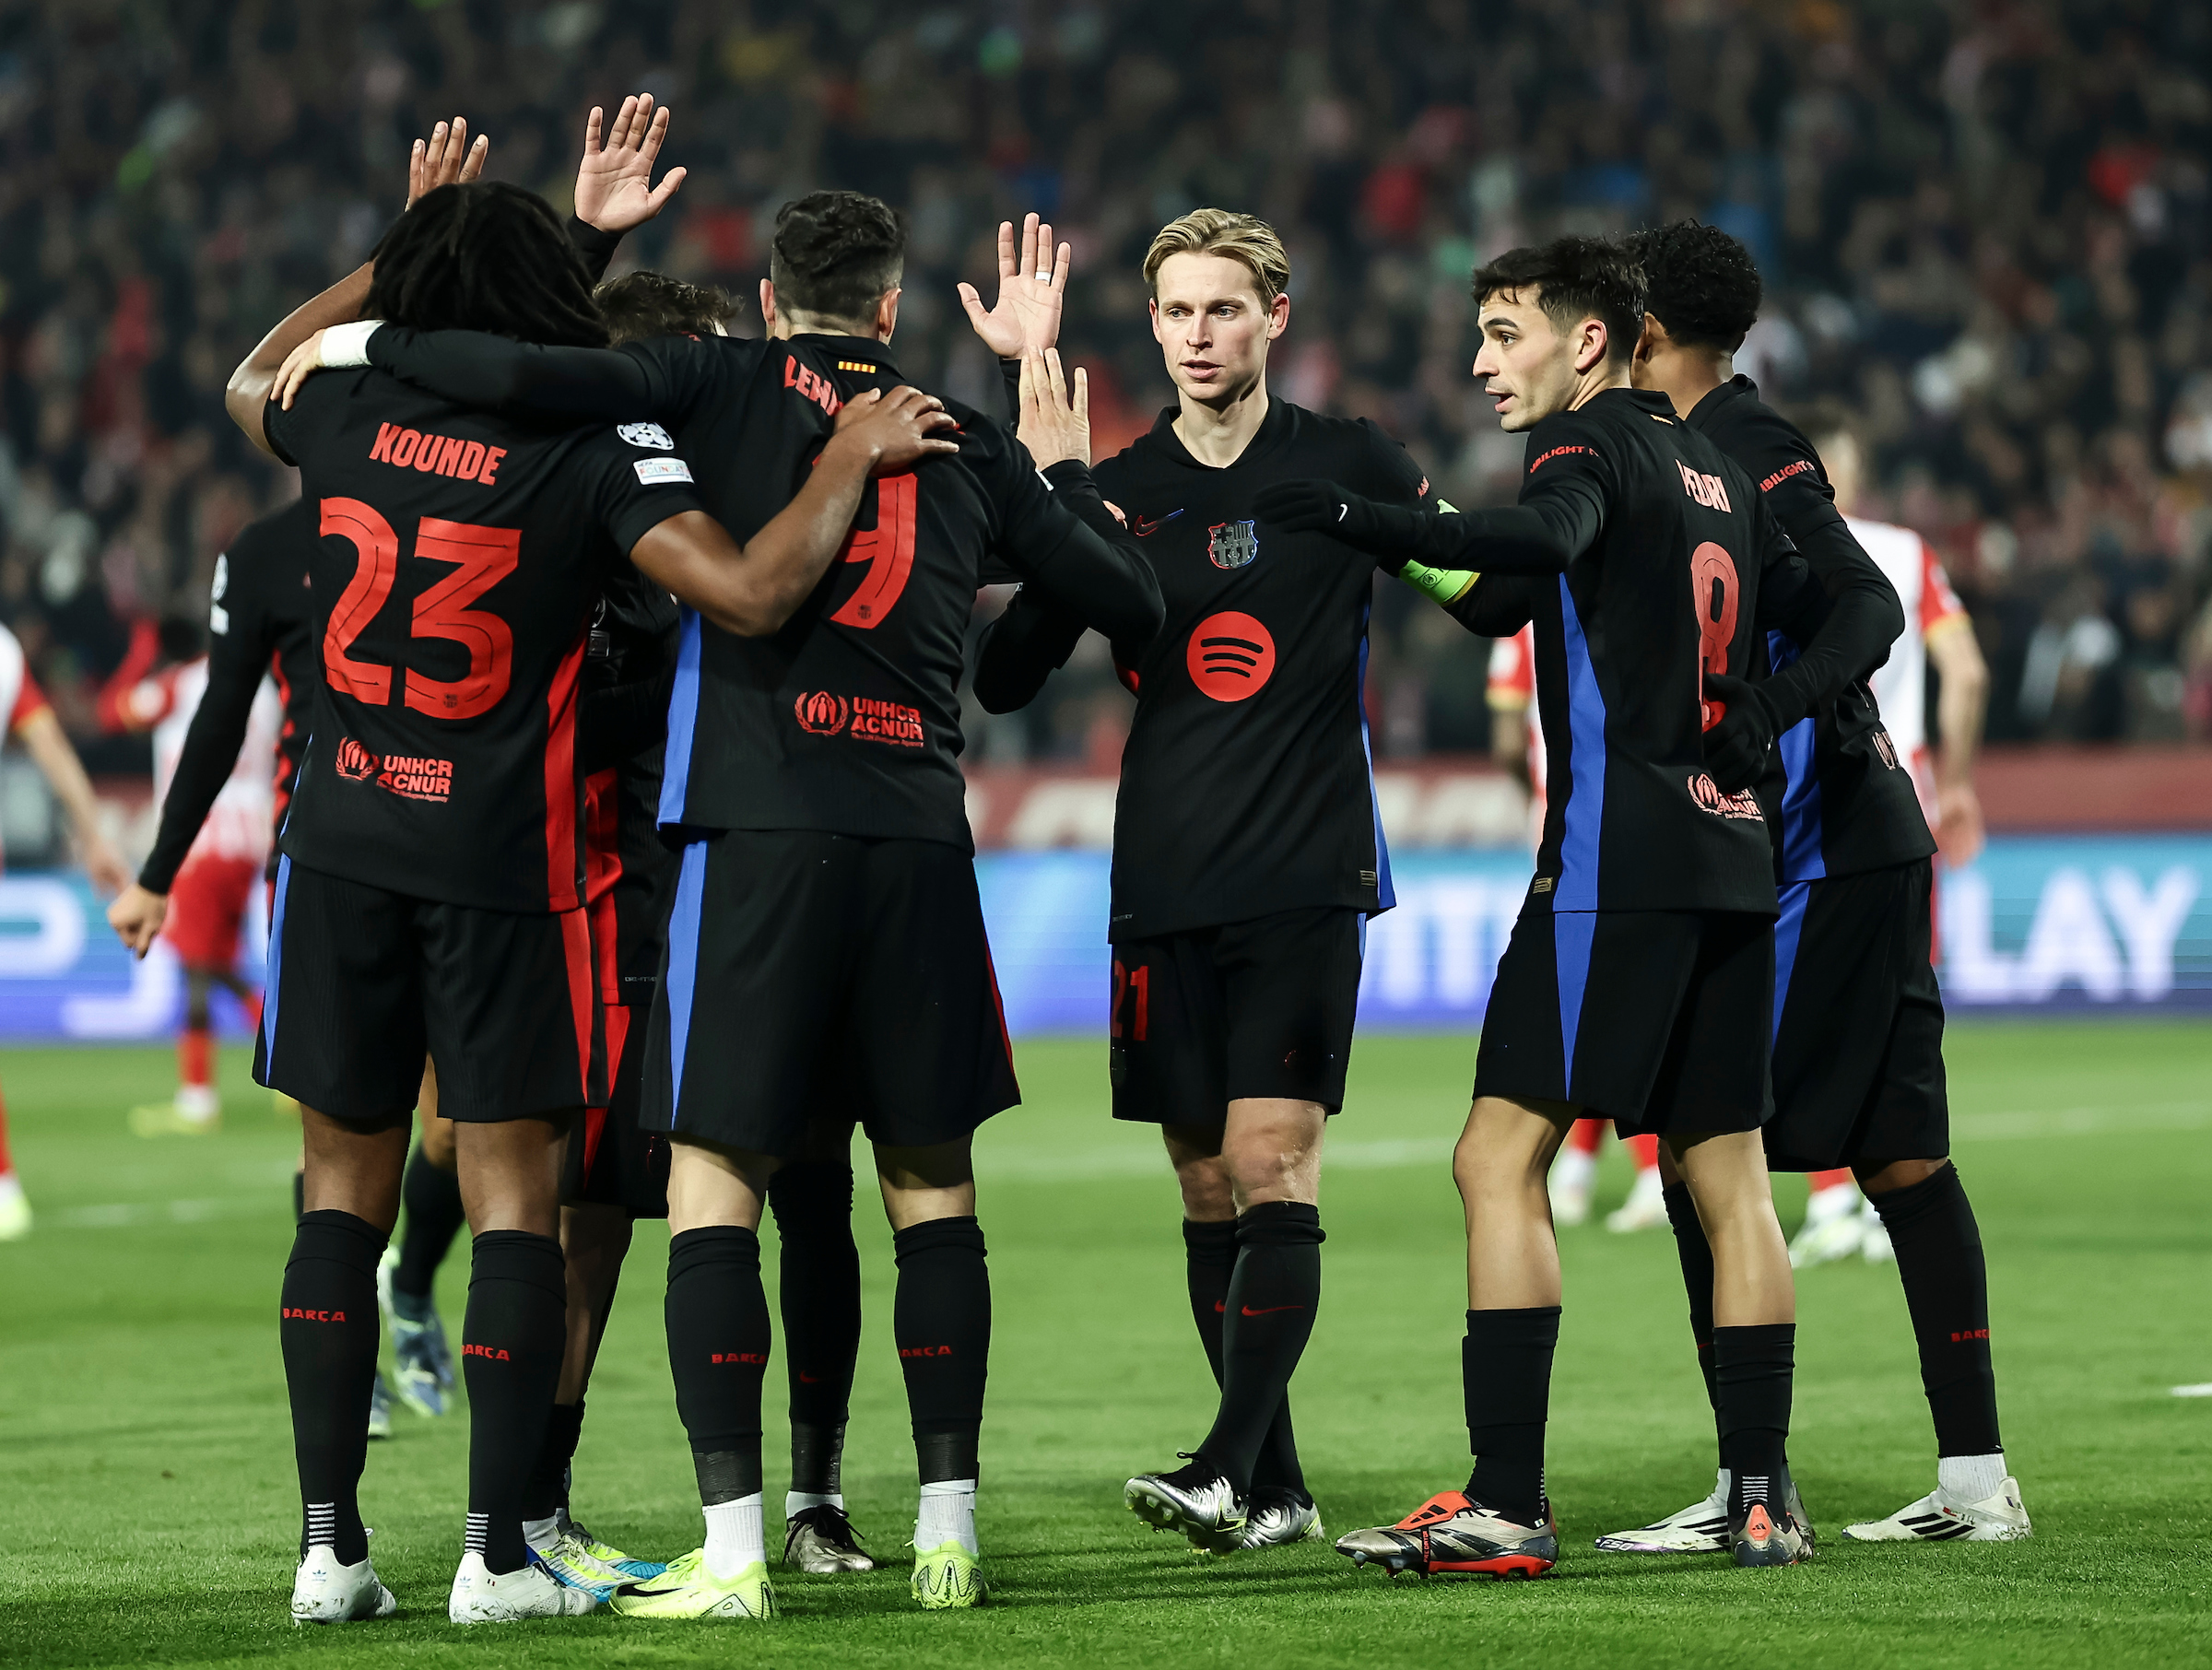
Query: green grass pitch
<point>147,1512</point>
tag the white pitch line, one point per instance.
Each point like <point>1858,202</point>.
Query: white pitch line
<point>1032,1163</point>
<point>2203,1389</point>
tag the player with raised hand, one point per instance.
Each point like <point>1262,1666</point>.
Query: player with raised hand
<point>1857,1021</point>
<point>1638,978</point>
<point>1237,915</point>
<point>431,892</point>
<point>826,860</point>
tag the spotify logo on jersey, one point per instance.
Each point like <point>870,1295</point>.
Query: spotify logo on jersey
<point>1230,656</point>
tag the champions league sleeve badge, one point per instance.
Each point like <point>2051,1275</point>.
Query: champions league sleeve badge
<point>1231,545</point>
<point>647,435</point>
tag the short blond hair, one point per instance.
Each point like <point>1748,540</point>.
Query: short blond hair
<point>1245,239</point>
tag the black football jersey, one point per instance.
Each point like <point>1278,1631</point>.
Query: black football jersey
<point>1839,799</point>
<point>459,560</point>
<point>1688,567</point>
<point>1246,781</point>
<point>259,625</point>
<point>847,719</point>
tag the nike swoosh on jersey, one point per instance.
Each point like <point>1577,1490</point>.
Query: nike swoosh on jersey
<point>1145,529</point>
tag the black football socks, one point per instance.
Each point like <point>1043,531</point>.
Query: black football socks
<point>1266,1318</point>
<point>1752,1369</point>
<point>818,1294</point>
<point>512,1336</point>
<point>1695,1254</point>
<point>432,1197</point>
<point>1210,1259</point>
<point>1505,1367</point>
<point>1939,1245</point>
<point>719,1337</point>
<point>941,1319</point>
<point>329,1331</point>
<point>547,1493</point>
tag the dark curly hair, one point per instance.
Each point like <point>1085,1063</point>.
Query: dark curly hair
<point>1702,285</point>
<point>484,257</point>
<point>638,305</point>
<point>835,254</point>
<point>1575,278</point>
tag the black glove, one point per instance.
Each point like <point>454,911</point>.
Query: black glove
<point>1736,749</point>
<point>1322,507</point>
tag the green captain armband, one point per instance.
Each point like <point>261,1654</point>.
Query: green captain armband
<point>1446,586</point>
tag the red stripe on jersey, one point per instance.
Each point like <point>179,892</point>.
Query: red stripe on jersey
<point>583,1005</point>
<point>602,870</point>
<point>595,1127</point>
<point>560,782</point>
<point>998,1003</point>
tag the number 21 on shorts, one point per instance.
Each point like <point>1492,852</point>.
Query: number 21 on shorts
<point>1133,988</point>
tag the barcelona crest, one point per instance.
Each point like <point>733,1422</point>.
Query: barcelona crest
<point>1231,545</point>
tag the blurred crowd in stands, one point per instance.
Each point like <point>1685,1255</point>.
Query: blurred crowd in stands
<point>1983,225</point>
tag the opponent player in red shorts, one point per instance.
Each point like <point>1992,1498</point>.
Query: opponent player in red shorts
<point>208,899</point>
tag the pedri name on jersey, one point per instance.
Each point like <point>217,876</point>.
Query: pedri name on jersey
<point>408,448</point>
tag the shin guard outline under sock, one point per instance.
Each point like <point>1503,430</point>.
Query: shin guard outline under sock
<point>512,1336</point>
<point>1946,1278</point>
<point>1266,1319</point>
<point>941,1319</point>
<point>329,1331</point>
<point>1505,1373</point>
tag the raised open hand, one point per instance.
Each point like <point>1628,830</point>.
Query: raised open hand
<point>1031,289</point>
<point>614,183</point>
<point>447,158</point>
<point>1056,410</point>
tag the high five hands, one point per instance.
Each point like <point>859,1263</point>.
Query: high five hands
<point>614,183</point>
<point>1054,423</point>
<point>447,158</point>
<point>1031,289</point>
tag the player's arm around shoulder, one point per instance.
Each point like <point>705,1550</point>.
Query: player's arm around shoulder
<point>754,589</point>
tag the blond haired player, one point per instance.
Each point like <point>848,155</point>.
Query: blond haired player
<point>1247,852</point>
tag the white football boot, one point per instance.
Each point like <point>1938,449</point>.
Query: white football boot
<point>481,1596</point>
<point>1940,1517</point>
<point>326,1591</point>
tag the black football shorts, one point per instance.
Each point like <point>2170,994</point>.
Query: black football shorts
<point>628,878</point>
<point>1858,1023</point>
<point>1658,1021</point>
<point>363,981</point>
<point>1258,1008</point>
<point>833,976</point>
